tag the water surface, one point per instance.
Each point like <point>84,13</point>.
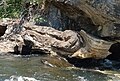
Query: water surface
<point>33,67</point>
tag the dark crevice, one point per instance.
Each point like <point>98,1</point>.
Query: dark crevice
<point>2,29</point>
<point>38,51</point>
<point>88,63</point>
<point>115,50</point>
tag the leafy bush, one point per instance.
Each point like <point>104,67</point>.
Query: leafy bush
<point>13,8</point>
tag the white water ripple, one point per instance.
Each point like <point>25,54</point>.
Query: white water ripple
<point>20,78</point>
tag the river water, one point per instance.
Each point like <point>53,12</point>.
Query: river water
<point>32,67</point>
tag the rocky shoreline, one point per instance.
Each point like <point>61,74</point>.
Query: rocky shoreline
<point>72,29</point>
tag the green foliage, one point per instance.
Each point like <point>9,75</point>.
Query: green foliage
<point>10,8</point>
<point>13,8</point>
<point>40,20</point>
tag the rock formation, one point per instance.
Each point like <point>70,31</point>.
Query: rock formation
<point>86,30</point>
<point>48,40</point>
<point>97,17</point>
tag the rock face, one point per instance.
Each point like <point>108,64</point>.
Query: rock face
<point>88,29</point>
<point>98,17</point>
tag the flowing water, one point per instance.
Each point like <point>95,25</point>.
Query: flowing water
<point>32,68</point>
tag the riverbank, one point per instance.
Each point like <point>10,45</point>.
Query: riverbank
<point>31,66</point>
<point>69,45</point>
